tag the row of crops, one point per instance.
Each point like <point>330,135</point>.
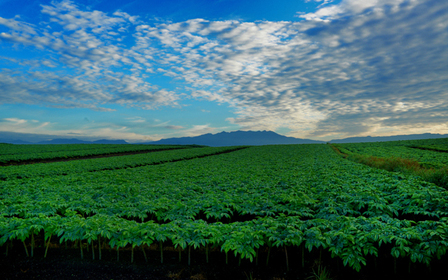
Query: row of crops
<point>158,156</point>
<point>20,153</point>
<point>302,198</point>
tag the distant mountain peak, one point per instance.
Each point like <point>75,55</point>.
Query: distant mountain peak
<point>237,138</point>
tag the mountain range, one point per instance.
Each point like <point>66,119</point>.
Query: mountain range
<point>235,138</point>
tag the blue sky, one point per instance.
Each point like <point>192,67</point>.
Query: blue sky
<point>146,70</point>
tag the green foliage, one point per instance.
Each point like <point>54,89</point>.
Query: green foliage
<point>158,156</point>
<point>20,153</point>
<point>427,158</point>
<point>267,196</point>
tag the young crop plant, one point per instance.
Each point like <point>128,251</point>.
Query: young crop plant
<point>321,273</point>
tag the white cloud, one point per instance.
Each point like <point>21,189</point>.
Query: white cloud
<point>356,7</point>
<point>93,57</point>
<point>67,15</point>
<point>324,2</point>
<point>23,125</point>
<point>174,127</point>
<point>137,120</point>
<point>18,25</point>
<point>199,130</point>
<point>15,121</point>
<point>92,130</point>
<point>325,14</point>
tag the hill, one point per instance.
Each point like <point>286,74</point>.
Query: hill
<point>237,138</point>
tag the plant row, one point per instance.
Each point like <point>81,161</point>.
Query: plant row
<point>20,153</point>
<point>352,240</point>
<point>111,163</point>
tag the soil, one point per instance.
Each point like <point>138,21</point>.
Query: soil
<point>63,263</point>
<point>67,264</point>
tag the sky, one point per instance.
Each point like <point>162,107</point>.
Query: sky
<point>145,70</point>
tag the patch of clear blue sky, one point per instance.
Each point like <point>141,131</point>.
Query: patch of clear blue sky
<point>181,10</point>
<point>283,130</point>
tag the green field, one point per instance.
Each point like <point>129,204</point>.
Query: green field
<point>305,202</point>
<point>429,152</point>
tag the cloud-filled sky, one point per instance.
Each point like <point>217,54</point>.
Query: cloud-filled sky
<point>145,70</point>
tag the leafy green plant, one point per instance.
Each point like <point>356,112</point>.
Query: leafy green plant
<point>301,199</point>
<point>321,273</point>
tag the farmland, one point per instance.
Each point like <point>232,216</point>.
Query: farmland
<point>298,209</point>
<point>431,152</point>
<point>427,159</point>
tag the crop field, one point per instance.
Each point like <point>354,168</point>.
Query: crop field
<point>300,211</point>
<point>427,159</point>
<point>429,152</point>
<point>16,154</point>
